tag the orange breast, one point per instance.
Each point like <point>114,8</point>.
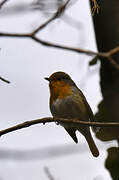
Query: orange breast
<point>59,89</point>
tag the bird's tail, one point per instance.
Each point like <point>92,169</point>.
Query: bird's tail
<point>87,134</point>
<point>92,145</point>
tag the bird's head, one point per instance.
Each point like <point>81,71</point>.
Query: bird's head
<point>60,84</point>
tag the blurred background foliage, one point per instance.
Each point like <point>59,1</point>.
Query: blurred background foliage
<point>106,25</point>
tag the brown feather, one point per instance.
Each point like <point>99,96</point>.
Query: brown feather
<point>72,132</point>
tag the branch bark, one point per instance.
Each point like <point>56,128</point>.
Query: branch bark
<point>4,80</point>
<point>2,3</point>
<point>58,120</point>
<point>48,173</point>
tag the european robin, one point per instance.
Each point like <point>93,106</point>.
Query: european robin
<point>67,101</point>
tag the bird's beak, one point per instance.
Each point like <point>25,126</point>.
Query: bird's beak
<point>46,78</point>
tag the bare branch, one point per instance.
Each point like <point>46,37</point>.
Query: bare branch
<point>4,80</point>
<point>59,120</point>
<point>48,173</point>
<point>2,3</point>
<point>15,35</point>
<point>78,50</point>
<point>56,15</point>
<point>60,10</point>
<point>106,55</point>
<point>95,8</point>
<point>113,51</point>
<point>46,43</point>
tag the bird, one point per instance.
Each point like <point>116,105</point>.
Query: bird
<point>67,101</point>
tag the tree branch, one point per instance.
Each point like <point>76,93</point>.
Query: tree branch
<point>2,3</point>
<point>56,15</point>
<point>4,80</point>
<point>59,120</point>
<point>95,7</point>
<point>48,173</point>
<point>32,35</point>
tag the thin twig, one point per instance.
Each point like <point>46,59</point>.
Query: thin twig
<point>113,51</point>
<point>95,7</point>
<point>4,80</point>
<point>48,173</point>
<point>56,15</point>
<point>33,36</point>
<point>46,43</point>
<point>2,3</point>
<point>59,120</point>
<point>78,50</point>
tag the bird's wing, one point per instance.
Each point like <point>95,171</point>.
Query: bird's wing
<point>89,110</point>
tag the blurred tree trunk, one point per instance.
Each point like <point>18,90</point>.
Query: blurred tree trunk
<point>106,26</point>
